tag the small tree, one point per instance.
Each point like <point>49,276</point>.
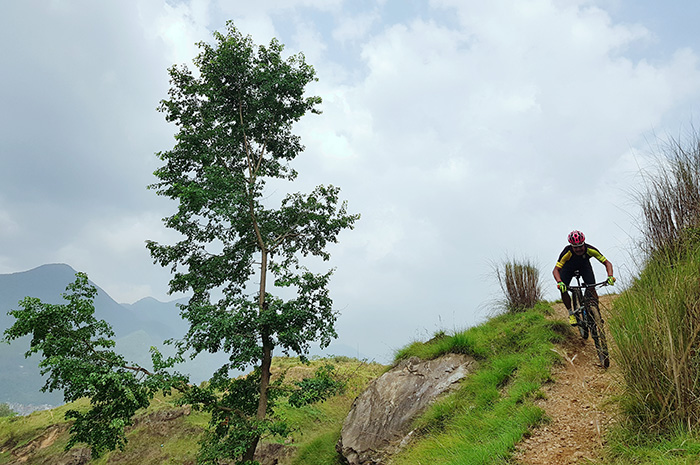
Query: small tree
<point>78,357</point>
<point>6,411</point>
<point>235,134</point>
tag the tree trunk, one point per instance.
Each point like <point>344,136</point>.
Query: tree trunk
<point>265,363</point>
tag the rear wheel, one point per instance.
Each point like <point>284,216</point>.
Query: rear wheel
<point>576,299</point>
<point>598,333</point>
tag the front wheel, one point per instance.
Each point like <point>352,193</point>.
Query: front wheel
<point>576,300</point>
<point>598,333</point>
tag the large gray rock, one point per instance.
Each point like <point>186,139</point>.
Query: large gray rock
<point>381,418</point>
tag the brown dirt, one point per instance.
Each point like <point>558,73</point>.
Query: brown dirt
<point>577,405</point>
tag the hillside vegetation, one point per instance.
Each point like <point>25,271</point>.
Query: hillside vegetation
<point>169,433</point>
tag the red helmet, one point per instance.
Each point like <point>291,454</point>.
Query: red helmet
<point>576,238</point>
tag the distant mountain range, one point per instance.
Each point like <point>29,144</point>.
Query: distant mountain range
<point>137,326</point>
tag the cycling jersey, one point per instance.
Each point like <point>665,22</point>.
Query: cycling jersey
<point>569,262</point>
<point>569,254</point>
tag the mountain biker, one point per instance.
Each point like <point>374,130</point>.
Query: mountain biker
<point>577,257</point>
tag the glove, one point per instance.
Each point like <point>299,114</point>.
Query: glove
<point>611,280</point>
<point>561,286</point>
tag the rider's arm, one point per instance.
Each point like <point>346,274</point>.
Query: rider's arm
<point>608,267</point>
<point>557,274</point>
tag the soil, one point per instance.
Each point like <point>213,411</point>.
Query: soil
<point>576,404</point>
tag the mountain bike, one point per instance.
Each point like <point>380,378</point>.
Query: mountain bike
<point>588,318</point>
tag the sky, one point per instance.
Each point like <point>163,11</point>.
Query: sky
<point>465,133</point>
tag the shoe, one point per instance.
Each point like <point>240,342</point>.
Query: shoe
<point>572,320</point>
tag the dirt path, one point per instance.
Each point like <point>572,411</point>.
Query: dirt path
<point>576,404</point>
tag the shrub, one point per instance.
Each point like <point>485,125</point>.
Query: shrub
<point>6,411</point>
<point>520,283</point>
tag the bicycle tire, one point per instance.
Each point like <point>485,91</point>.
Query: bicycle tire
<point>576,300</point>
<point>598,333</point>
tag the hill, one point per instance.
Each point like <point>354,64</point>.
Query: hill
<point>538,397</point>
<point>168,433</point>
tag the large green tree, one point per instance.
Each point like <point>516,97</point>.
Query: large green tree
<point>238,254</point>
<point>239,257</point>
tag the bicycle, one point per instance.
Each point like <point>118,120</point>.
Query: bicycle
<point>588,318</point>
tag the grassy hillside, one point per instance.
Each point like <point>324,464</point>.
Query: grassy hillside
<point>515,359</point>
<point>478,424</point>
<point>167,433</point>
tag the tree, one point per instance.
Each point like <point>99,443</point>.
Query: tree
<point>235,120</point>
<point>6,411</point>
<point>235,123</point>
<point>77,356</point>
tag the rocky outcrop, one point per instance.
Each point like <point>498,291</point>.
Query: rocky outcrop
<point>381,418</point>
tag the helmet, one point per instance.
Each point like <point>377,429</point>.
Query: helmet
<point>576,238</point>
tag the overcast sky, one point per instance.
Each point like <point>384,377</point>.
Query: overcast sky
<point>464,132</point>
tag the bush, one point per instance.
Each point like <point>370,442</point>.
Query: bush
<point>6,411</point>
<point>520,283</point>
<point>323,385</point>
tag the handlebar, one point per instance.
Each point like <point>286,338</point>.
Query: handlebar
<point>586,286</point>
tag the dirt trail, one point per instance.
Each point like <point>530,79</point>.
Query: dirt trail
<point>576,404</point>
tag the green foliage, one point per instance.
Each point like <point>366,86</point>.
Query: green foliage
<point>323,385</point>
<point>235,121</point>
<point>77,358</point>
<point>656,326</point>
<point>501,333</point>
<point>6,411</point>
<point>656,323</point>
<point>166,433</point>
<point>633,446</point>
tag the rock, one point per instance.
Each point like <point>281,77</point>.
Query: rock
<point>380,420</point>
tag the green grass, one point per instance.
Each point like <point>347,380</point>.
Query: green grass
<point>656,325</point>
<point>493,409</point>
<point>628,445</point>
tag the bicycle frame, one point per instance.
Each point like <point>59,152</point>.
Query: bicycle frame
<point>588,316</point>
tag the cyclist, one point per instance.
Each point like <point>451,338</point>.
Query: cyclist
<point>577,257</point>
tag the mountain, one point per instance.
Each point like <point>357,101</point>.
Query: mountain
<point>48,283</point>
<point>137,327</point>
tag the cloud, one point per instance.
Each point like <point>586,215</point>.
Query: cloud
<point>461,131</point>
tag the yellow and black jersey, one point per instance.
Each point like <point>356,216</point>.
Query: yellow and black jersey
<point>568,255</point>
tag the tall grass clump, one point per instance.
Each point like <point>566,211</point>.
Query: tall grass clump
<point>656,326</point>
<point>656,322</point>
<point>670,200</point>
<point>520,283</point>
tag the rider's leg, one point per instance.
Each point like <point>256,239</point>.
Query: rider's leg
<point>567,273</point>
<point>566,298</point>
<point>589,278</point>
